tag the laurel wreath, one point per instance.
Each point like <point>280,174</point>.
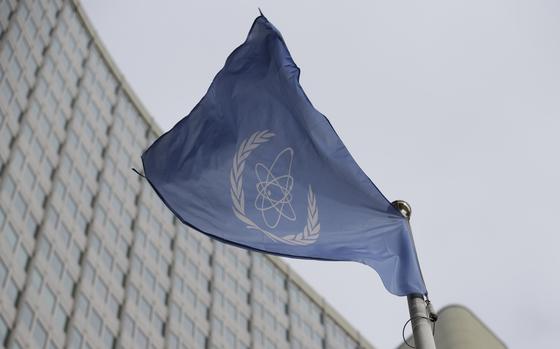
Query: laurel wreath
<point>312,228</point>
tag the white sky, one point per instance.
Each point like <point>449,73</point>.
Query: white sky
<point>451,105</point>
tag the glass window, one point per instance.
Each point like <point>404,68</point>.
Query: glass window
<point>113,304</point>
<point>112,232</point>
<point>40,334</point>
<point>189,295</point>
<point>149,278</point>
<point>36,279</point>
<point>3,329</point>
<point>75,252</point>
<point>83,304</point>
<point>174,312</point>
<point>141,340</point>
<point>59,189</point>
<point>15,67</point>
<point>152,250</point>
<point>31,224</point>
<point>56,264</point>
<point>68,282</point>
<point>20,205</point>
<point>44,246</point>
<point>7,91</point>
<point>89,273</point>
<point>26,316</point>
<point>2,217</point>
<point>48,298</point>
<point>108,338</point>
<point>77,179</point>
<point>8,50</point>
<point>54,142</point>
<point>40,195</point>
<point>202,309</point>
<point>60,317</point>
<point>81,222</point>
<point>119,275</point>
<point>217,326</point>
<point>229,338</point>
<point>173,341</point>
<point>71,205</point>
<point>132,294</point>
<point>64,234</point>
<point>200,339</point>
<point>47,167</point>
<point>188,324</point>
<point>31,27</point>
<point>145,307</point>
<point>159,324</point>
<point>22,256</point>
<point>95,243</point>
<point>15,106</point>
<point>123,246</point>
<point>101,288</point>
<point>37,149</point>
<point>87,195</point>
<point>10,236</point>
<point>9,186</point>
<point>3,273</point>
<point>164,266</point>
<point>128,325</point>
<point>95,321</point>
<point>107,258</point>
<point>140,235</point>
<point>136,264</point>
<point>75,339</point>
<point>17,159</point>
<point>161,293</point>
<point>100,214</point>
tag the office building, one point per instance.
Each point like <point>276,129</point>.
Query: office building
<point>89,255</point>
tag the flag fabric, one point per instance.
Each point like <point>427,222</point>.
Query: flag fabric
<point>256,165</point>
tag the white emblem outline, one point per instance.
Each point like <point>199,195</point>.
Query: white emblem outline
<point>312,228</point>
<point>269,184</point>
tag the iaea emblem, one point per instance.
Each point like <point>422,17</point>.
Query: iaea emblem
<point>274,197</point>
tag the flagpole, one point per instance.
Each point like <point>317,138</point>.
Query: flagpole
<point>421,315</point>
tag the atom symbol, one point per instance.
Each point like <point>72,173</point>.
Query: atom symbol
<point>274,199</point>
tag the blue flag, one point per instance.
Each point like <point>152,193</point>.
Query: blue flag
<point>255,165</point>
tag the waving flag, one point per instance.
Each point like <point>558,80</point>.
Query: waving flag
<point>255,165</point>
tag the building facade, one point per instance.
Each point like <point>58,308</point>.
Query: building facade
<point>89,255</point>
<point>459,328</point>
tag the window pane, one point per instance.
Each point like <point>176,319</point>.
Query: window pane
<point>26,316</point>
<point>12,291</point>
<point>48,298</point>
<point>40,334</point>
<point>3,273</point>
<point>3,330</point>
<point>10,236</point>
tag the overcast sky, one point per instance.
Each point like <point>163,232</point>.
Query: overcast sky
<point>451,105</point>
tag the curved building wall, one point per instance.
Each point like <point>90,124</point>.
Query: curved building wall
<point>458,328</point>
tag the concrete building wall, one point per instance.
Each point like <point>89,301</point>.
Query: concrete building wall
<point>458,328</point>
<point>89,255</point>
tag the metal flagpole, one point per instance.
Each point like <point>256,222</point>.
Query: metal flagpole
<point>421,323</point>
<point>421,312</point>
